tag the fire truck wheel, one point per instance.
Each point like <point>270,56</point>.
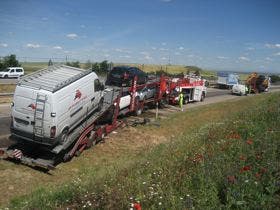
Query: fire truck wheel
<point>202,97</point>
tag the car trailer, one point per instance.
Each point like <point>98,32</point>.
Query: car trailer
<point>92,130</point>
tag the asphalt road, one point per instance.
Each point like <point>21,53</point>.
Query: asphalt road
<point>8,81</point>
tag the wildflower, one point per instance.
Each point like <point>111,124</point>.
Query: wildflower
<point>258,156</point>
<point>249,141</point>
<point>258,175</point>
<point>247,180</point>
<point>231,179</point>
<point>245,168</point>
<point>263,170</point>
<point>136,205</point>
<point>144,183</point>
<point>241,157</point>
<point>159,203</point>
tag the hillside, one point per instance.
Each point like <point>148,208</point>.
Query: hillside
<point>215,156</point>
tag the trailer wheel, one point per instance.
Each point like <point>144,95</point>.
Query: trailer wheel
<point>138,107</point>
<point>100,104</point>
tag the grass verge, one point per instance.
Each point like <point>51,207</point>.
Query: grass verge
<point>214,164</point>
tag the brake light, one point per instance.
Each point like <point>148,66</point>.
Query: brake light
<point>53,132</point>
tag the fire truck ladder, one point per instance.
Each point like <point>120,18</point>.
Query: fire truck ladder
<point>39,115</point>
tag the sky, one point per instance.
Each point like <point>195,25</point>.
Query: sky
<point>234,35</point>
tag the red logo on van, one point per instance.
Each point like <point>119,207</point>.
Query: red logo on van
<point>32,106</point>
<point>78,95</point>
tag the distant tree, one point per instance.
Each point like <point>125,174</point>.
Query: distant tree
<point>50,63</point>
<point>74,64</point>
<point>88,64</point>
<point>104,66</point>
<point>10,61</point>
<point>95,67</point>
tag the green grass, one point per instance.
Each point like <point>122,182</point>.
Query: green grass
<point>216,161</point>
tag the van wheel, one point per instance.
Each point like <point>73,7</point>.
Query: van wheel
<point>6,76</point>
<point>64,136</point>
<point>100,104</point>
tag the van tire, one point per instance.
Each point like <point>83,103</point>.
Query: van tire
<point>6,76</point>
<point>64,136</point>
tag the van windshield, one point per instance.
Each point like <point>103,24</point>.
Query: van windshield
<point>4,70</point>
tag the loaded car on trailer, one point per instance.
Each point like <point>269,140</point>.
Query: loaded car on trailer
<point>122,76</point>
<point>50,103</point>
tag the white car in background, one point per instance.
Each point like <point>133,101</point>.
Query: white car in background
<point>12,72</point>
<point>239,89</point>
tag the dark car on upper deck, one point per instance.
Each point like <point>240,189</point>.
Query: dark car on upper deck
<point>122,76</point>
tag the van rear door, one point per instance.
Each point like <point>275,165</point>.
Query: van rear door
<point>24,108</point>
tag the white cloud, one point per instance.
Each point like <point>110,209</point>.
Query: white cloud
<point>250,48</point>
<point>163,49</point>
<point>106,55</point>
<point>166,1</point>
<point>29,45</point>
<point>163,44</point>
<point>57,47</point>
<point>82,26</point>
<point>177,53</point>
<point>144,53</point>
<point>190,56</point>
<point>243,58</point>
<point>268,59</point>
<point>147,57</point>
<point>277,54</point>
<point>45,19</point>
<point>72,36</point>
<point>271,46</point>
<point>118,50</point>
<point>163,58</point>
<point>181,48</point>
<point>125,56</point>
<point>222,57</point>
<point>3,45</point>
<point>154,48</point>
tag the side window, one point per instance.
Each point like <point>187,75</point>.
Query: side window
<point>18,70</point>
<point>12,71</point>
<point>97,85</point>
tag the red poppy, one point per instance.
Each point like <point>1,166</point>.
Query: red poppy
<point>137,206</point>
<point>258,175</point>
<point>249,141</point>
<point>245,168</point>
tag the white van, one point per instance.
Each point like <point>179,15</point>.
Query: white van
<point>12,72</point>
<point>50,103</point>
